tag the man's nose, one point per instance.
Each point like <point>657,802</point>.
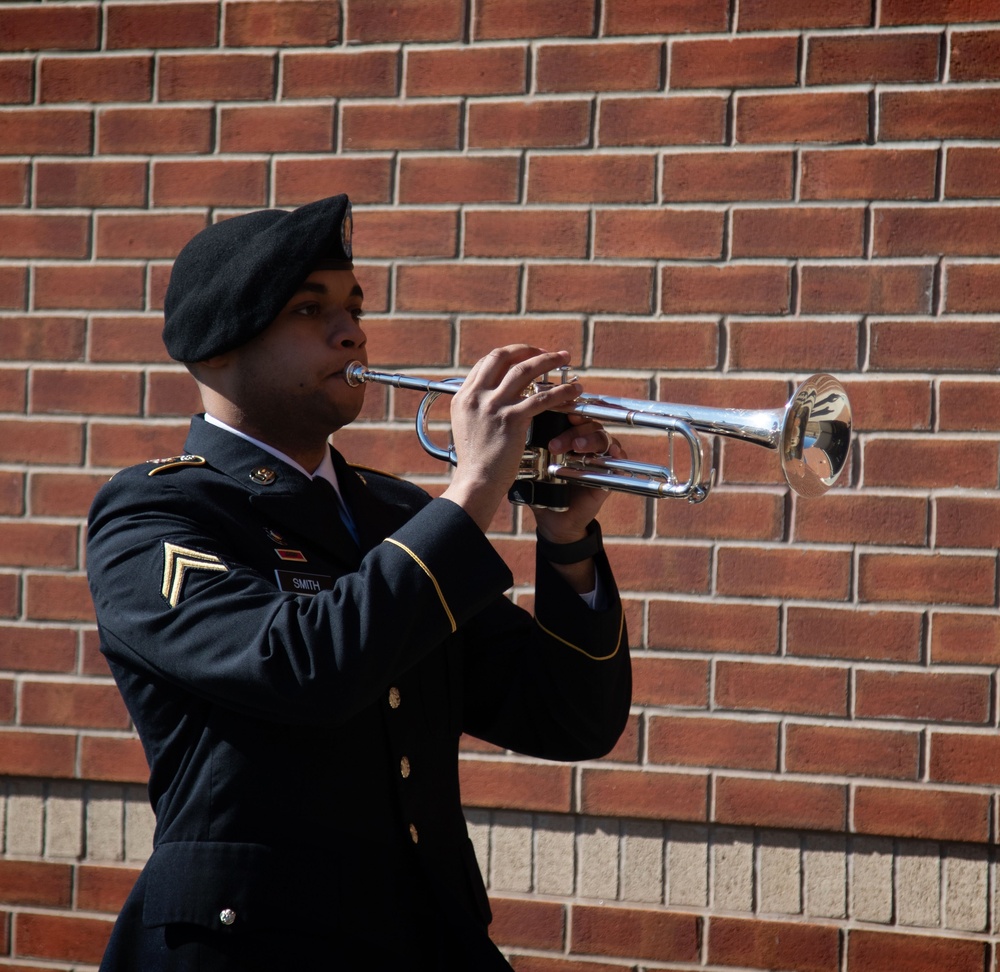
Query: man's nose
<point>348,333</point>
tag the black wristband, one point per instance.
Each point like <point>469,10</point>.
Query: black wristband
<point>571,553</point>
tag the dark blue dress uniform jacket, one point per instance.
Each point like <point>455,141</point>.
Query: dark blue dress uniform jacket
<point>300,701</point>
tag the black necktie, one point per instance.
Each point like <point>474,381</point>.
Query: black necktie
<point>335,516</point>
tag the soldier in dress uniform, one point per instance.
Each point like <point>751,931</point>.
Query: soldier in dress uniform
<point>301,642</point>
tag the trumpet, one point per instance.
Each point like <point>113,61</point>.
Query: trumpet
<point>811,434</point>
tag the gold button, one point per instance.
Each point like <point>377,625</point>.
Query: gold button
<point>227,916</point>
<point>414,836</point>
<point>404,767</point>
<point>394,698</point>
<point>263,475</point>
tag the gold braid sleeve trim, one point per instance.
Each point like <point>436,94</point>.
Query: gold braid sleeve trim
<point>569,644</point>
<point>433,579</point>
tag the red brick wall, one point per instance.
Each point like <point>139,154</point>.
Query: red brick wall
<point>704,200</point>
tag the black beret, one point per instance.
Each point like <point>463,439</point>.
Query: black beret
<point>231,280</point>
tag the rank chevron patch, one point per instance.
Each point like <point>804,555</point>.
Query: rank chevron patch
<point>177,561</point>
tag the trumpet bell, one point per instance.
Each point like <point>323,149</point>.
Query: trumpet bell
<point>815,435</point>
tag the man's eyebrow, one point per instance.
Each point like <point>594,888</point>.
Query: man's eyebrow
<point>312,287</point>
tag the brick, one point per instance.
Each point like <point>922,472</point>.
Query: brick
<point>965,639</point>
<point>732,514</point>
<point>72,704</point>
<point>527,924</point>
<point>162,25</point>
<point>89,287</point>
<point>13,382</point>
<point>399,127</point>
<point>970,288</point>
<point>789,14</point>
<point>944,230</point>
<point>972,55</point>
<point>519,786</point>
<point>742,62</point>
<point>126,131</point>
<point>634,932</point>
<point>120,77</point>
<point>457,288</point>
<point>713,742</point>
<point>479,336</point>
<point>869,951</point>
<point>963,757</point>
<point>63,494</point>
<point>10,602</point>
<point>66,27</point>
<point>397,452</point>
<point>924,813</point>
<point>662,121</point>
<point>43,236</point>
<point>58,597</point>
<point>17,81</point>
<point>122,444</point>
<point>589,288</point>
<point>926,696</point>
<point>145,236</point>
<point>669,681</point>
<point>632,66</point>
<point>939,114</point>
<point>898,13</point>
<point>13,183</point>
<point>386,21</point>
<point>729,289</point>
<point>36,883</point>
<point>967,522</point>
<point>861,59</point>
<point>594,179</point>
<point>798,232</point>
<point>972,173</point>
<point>209,182</point>
<point>61,937</point>
<point>12,493</point>
<point>679,234</point>
<point>405,233</point>
<point>925,462</point>
<point>535,124</point>
<point>25,544</point>
<point>779,572</point>
<point>866,289</point>
<point>863,519</point>
<point>869,173</point>
<point>468,71</point>
<point>784,687</point>
<point>843,751</point>
<point>934,346</point>
<point>744,801</point>
<point>365,180</point>
<point>97,184</point>
<point>662,568</point>
<point>13,288</point>
<point>729,176</point>
<point>714,626</point>
<point>655,344</point>
<point>113,759</point>
<point>340,74</point>
<point>773,944</point>
<point>507,19</point>
<point>526,233</point>
<point>461,179</point>
<point>276,128</point>
<point>126,339</point>
<point>171,393</point>
<point>103,888</point>
<point>793,345</point>
<point>902,405</point>
<point>23,440</point>
<point>644,794</point>
<point>835,116</point>
<point>289,23</point>
<point>34,754</point>
<point>45,131</point>
<point>215,77</point>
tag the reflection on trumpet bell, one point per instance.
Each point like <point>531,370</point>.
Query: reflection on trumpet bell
<point>811,434</point>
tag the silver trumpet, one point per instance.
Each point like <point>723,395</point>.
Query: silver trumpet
<point>812,436</point>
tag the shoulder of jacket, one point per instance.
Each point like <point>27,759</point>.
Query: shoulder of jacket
<point>364,471</point>
<point>389,486</point>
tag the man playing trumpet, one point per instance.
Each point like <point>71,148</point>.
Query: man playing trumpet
<point>301,643</point>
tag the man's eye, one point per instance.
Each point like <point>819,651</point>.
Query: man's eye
<point>307,310</point>
<point>357,313</point>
